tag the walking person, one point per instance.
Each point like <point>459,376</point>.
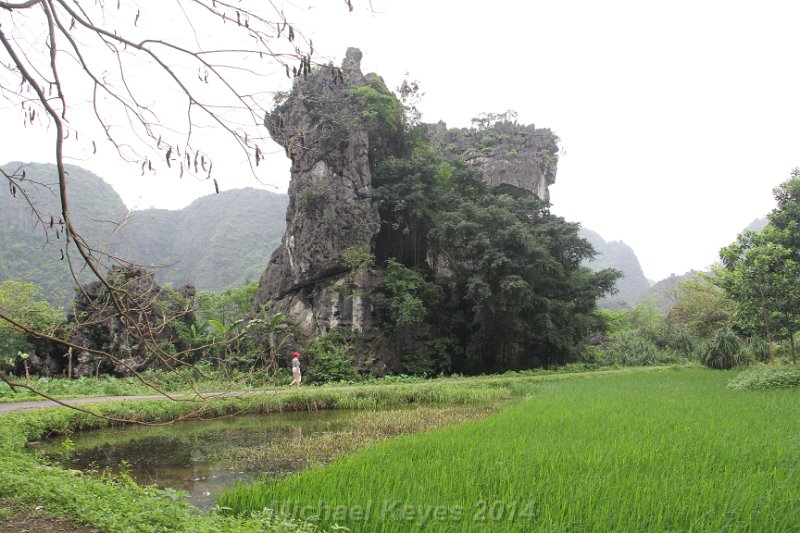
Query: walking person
<point>295,370</point>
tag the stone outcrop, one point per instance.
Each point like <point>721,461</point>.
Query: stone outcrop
<point>512,157</point>
<point>130,337</point>
<point>330,211</point>
<point>326,128</point>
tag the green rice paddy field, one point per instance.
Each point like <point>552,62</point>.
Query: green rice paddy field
<point>665,451</point>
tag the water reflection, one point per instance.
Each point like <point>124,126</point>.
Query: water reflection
<point>188,455</point>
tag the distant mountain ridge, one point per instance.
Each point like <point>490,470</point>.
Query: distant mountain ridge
<point>217,241</point>
<point>757,225</point>
<point>633,285</point>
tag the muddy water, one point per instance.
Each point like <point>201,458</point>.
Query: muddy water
<point>191,456</point>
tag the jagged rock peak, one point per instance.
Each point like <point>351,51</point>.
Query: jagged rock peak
<point>352,65</point>
<point>330,211</point>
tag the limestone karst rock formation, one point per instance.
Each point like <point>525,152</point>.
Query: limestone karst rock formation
<point>512,157</point>
<point>322,127</point>
<point>330,210</point>
<point>98,325</point>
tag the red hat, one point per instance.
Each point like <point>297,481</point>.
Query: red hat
<point>296,354</point>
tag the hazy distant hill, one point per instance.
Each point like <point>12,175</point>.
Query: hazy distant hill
<point>26,251</point>
<point>757,225</point>
<point>664,290</point>
<point>615,254</point>
<point>218,241</point>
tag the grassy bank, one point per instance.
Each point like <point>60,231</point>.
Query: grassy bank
<point>669,451</point>
<point>174,382</point>
<point>187,381</point>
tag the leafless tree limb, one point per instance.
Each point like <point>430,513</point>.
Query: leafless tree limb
<point>59,57</point>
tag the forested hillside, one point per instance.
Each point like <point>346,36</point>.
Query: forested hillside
<point>26,253</point>
<point>218,241</point>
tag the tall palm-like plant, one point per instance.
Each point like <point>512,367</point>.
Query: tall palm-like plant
<point>277,333</point>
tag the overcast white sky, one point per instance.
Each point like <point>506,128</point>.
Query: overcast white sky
<point>677,118</point>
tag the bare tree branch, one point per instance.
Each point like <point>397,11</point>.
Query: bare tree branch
<point>96,77</point>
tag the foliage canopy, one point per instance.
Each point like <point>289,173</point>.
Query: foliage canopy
<point>761,270</point>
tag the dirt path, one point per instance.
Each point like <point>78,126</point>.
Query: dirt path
<point>11,407</point>
<point>16,520</point>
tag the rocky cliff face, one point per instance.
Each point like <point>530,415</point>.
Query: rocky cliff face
<point>330,211</point>
<point>511,156</point>
<point>99,326</point>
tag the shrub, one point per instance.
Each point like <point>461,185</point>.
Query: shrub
<point>676,338</point>
<point>636,348</point>
<point>722,351</point>
<point>330,358</point>
<point>357,258</point>
<point>760,349</point>
<point>767,377</point>
<point>429,359</point>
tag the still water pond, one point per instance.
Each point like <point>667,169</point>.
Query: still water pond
<point>200,457</point>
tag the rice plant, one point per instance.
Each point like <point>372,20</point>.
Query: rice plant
<point>666,451</point>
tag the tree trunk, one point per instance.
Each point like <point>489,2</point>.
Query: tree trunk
<point>794,348</point>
